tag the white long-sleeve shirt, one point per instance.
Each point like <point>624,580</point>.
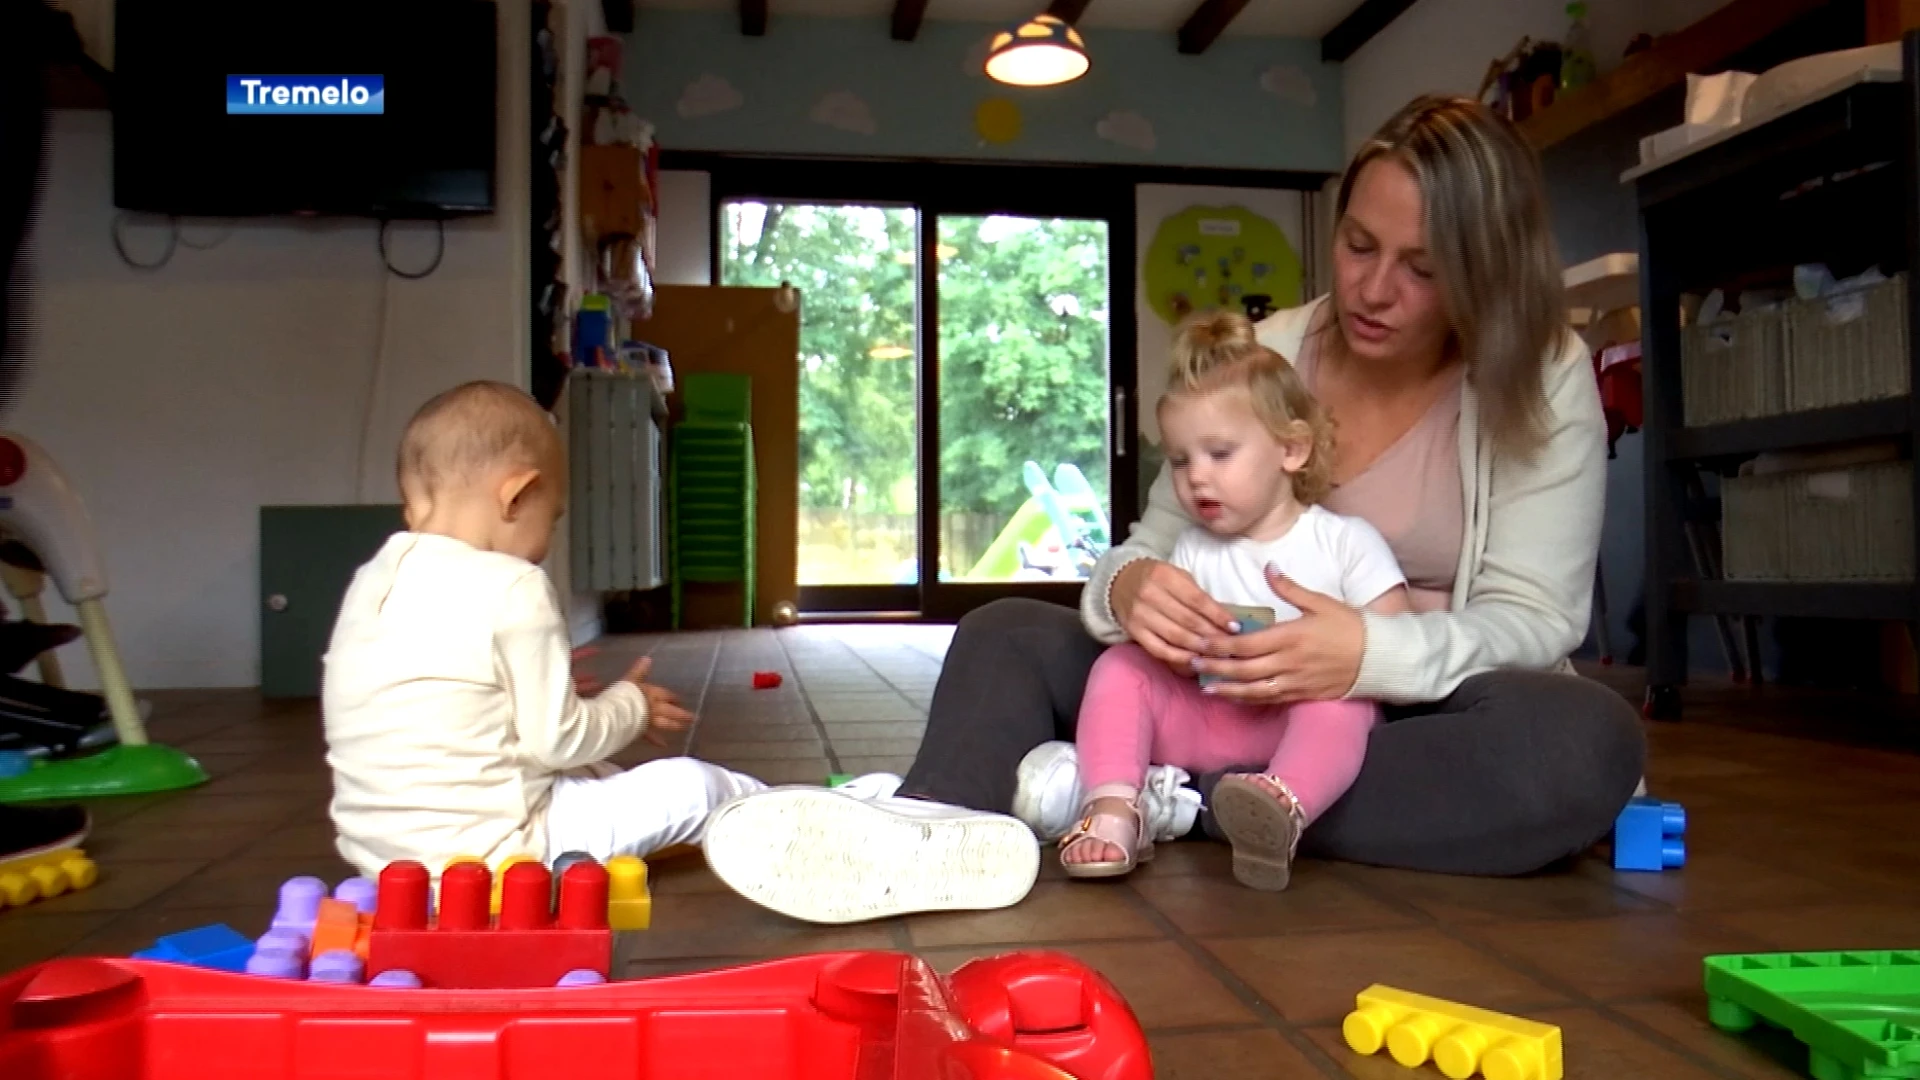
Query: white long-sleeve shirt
<point>449,706</point>
<point>1524,587</point>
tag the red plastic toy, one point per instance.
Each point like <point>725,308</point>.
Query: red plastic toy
<point>834,1016</point>
<point>766,680</point>
<point>531,945</point>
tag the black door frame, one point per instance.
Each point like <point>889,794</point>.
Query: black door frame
<point>967,188</point>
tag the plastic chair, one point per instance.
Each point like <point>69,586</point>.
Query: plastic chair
<point>713,490</point>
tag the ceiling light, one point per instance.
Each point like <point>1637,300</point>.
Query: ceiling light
<point>1043,51</point>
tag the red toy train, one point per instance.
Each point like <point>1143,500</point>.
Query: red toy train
<point>833,1016</point>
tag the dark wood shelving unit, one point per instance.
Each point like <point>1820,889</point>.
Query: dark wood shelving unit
<point>1833,181</point>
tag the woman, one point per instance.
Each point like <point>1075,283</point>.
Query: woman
<point>1470,435</point>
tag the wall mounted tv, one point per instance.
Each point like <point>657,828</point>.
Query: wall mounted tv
<point>375,108</point>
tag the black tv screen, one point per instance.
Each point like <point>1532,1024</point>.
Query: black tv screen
<point>376,108</point>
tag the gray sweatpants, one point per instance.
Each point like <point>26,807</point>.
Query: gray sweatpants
<point>1511,772</point>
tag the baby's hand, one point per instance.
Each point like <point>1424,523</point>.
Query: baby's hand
<point>663,708</point>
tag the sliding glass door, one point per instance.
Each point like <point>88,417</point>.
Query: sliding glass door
<point>958,394</point>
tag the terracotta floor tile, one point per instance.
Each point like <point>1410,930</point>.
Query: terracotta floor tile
<point>123,886</point>
<point>1215,905</point>
<point>1553,895</point>
<point>1824,927</point>
<point>1715,880</point>
<point>1762,1054</point>
<point>1312,978</point>
<point>722,924</point>
<point>1247,1054</point>
<point>31,934</point>
<point>1163,984</point>
<point>1608,959</point>
<point>1067,911</point>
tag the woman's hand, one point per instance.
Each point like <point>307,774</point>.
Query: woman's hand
<point>1313,658</point>
<point>1165,613</point>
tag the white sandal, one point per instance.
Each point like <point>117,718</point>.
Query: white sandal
<point>1263,821</point>
<point>1131,837</point>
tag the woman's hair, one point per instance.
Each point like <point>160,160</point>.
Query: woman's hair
<point>1217,351</point>
<point>1487,232</point>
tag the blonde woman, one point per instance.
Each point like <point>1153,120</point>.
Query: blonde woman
<point>1469,434</point>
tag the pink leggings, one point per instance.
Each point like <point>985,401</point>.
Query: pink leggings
<point>1137,712</point>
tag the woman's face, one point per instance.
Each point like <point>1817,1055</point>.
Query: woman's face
<point>1384,289</point>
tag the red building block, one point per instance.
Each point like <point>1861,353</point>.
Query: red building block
<point>531,945</point>
<point>766,680</point>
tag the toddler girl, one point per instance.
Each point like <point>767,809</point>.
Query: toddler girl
<point>1251,457</point>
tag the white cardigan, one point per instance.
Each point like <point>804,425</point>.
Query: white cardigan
<point>1524,587</point>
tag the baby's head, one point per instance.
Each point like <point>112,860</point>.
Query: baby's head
<point>1247,443</point>
<point>482,463</point>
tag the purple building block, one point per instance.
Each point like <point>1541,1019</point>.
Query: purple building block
<point>337,966</point>
<point>581,977</point>
<point>278,964</point>
<point>300,904</point>
<point>399,978</point>
<point>1650,835</point>
<point>359,892</point>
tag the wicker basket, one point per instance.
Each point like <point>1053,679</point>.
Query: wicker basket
<point>1845,525</point>
<point>1734,369</point>
<point>1848,347</point>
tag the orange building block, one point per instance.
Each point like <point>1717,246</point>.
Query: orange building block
<point>341,926</point>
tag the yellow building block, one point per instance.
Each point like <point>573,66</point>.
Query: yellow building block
<point>41,877</point>
<point>1459,1038</point>
<point>629,902</point>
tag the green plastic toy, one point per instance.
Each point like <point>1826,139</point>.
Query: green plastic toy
<point>1857,1012</point>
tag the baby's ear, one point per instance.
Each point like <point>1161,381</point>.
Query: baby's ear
<point>1297,446</point>
<point>513,488</point>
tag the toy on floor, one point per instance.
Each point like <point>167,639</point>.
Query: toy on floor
<point>766,680</point>
<point>1858,1013</point>
<point>832,1016</point>
<point>219,947</point>
<point>535,942</point>
<point>1460,1039</point>
<point>44,875</point>
<point>1650,835</point>
<point>39,509</point>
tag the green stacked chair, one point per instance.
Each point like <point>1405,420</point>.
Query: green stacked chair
<point>712,481</point>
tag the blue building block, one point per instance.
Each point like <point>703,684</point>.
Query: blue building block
<point>1650,835</point>
<point>218,946</point>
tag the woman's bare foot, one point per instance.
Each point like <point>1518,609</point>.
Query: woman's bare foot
<point>1091,848</point>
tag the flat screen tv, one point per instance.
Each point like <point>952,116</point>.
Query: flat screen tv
<point>375,108</point>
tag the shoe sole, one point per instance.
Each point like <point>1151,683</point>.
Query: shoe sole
<point>822,857</point>
<point>1260,830</point>
<point>71,840</point>
<point>1036,769</point>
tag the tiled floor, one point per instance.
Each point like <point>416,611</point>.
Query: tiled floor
<point>1796,842</point>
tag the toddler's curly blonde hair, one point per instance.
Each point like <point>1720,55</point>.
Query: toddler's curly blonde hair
<point>1218,351</point>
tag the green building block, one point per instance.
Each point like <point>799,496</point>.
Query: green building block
<point>1857,1012</point>
<point>836,779</point>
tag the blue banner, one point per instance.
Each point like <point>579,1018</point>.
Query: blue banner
<point>306,95</point>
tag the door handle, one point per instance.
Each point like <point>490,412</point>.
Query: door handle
<point>1119,421</point>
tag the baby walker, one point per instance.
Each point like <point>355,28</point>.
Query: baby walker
<point>40,511</point>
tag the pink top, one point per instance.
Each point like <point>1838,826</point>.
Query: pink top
<point>1412,493</point>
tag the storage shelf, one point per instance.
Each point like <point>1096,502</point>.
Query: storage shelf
<point>1896,601</point>
<point>1882,419</point>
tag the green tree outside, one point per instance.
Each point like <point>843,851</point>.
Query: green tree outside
<point>1023,315</point>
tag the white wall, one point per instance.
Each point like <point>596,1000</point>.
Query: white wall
<point>1446,45</point>
<point>182,399</point>
<point>683,248</point>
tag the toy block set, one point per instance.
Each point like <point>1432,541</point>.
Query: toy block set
<point>1858,1013</point>
<point>831,1016</point>
<point>1650,835</point>
<point>1460,1039</point>
<point>45,875</point>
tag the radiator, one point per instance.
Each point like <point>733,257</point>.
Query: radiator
<point>615,502</point>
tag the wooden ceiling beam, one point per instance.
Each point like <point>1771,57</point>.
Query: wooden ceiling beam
<point>907,17</point>
<point>1068,11</point>
<point>1358,28</point>
<point>1206,23</point>
<point>753,18</point>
